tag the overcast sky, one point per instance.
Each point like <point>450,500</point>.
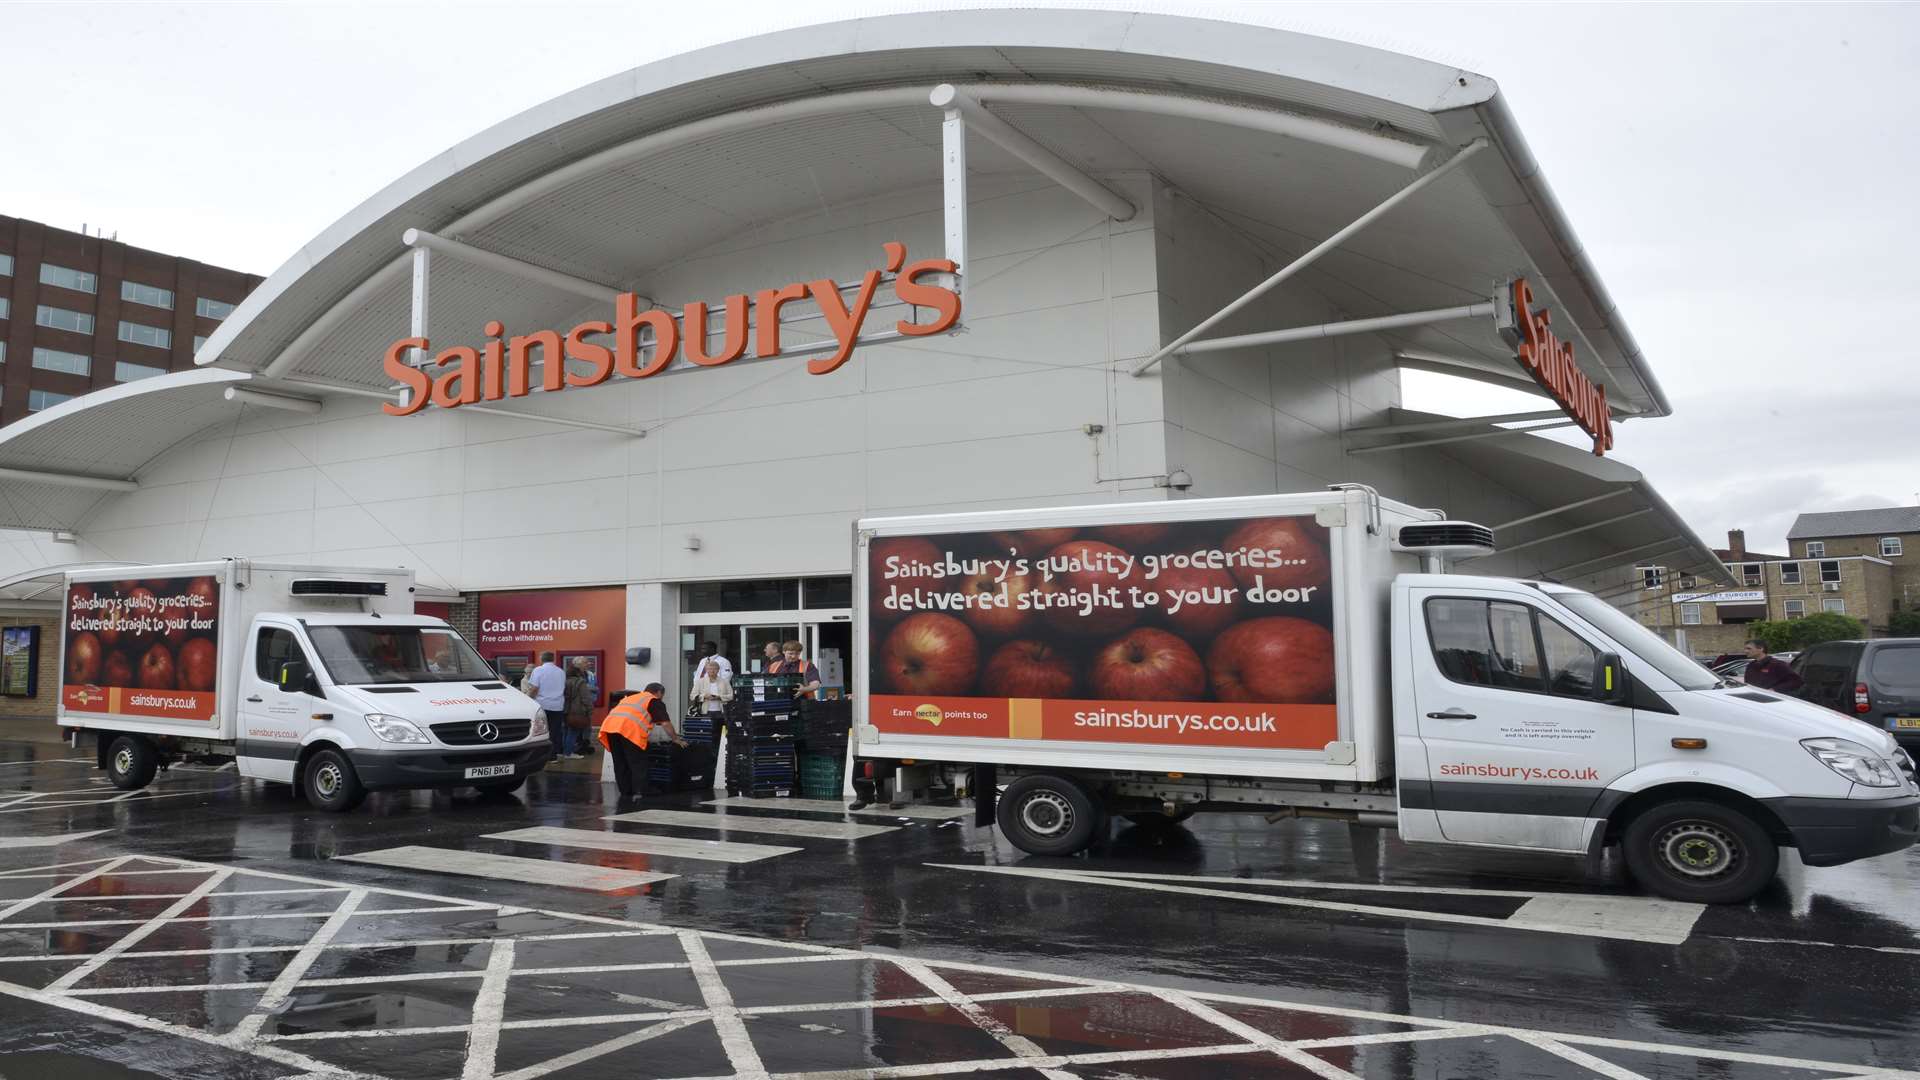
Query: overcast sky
<point>1742,174</point>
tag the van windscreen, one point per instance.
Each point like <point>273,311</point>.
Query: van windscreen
<point>1897,666</point>
<point>370,655</point>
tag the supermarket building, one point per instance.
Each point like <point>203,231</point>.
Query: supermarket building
<point>1084,190</point>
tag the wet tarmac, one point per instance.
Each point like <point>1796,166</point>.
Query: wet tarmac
<point>213,927</point>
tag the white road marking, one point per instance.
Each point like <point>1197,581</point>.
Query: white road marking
<point>1607,914</point>
<point>693,819</point>
<point>1585,1060</point>
<point>602,1049</point>
<point>720,1008</point>
<point>144,797</point>
<point>281,989</point>
<point>135,936</point>
<point>489,1010</point>
<point>50,761</point>
<point>508,867</point>
<point>829,806</point>
<point>24,903</point>
<point>1318,1066</point>
<point>1301,883</point>
<point>1657,934</point>
<point>47,841</point>
<point>1019,1045</point>
<point>708,850</point>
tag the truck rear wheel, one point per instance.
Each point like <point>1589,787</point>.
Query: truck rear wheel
<point>1047,815</point>
<point>1700,852</point>
<point>131,762</point>
<point>330,783</point>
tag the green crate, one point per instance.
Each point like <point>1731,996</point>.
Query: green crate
<point>821,775</point>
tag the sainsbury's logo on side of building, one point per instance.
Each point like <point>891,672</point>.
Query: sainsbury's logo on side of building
<point>503,367</point>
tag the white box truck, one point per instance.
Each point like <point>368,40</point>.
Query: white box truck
<point>1307,655</point>
<point>318,677</point>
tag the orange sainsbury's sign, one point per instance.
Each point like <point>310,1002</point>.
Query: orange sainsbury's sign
<point>503,367</point>
<point>1550,361</point>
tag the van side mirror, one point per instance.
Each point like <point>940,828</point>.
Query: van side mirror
<point>297,678</point>
<point>1611,683</point>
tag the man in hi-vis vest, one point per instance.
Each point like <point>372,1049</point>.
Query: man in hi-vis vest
<point>627,730</point>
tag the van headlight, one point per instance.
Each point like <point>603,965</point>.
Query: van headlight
<point>1854,761</point>
<point>539,724</point>
<point>395,728</point>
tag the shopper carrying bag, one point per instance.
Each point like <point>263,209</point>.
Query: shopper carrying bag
<point>580,702</point>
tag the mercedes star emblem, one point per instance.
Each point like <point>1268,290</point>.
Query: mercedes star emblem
<point>488,731</point>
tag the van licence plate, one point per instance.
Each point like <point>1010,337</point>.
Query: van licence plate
<point>1912,722</point>
<point>481,772</point>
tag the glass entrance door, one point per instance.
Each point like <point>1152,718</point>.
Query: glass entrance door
<point>755,639</point>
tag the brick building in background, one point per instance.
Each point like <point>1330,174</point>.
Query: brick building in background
<point>80,313</point>
<point>1885,542</point>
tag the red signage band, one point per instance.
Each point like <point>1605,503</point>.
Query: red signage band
<point>1550,361</point>
<point>503,367</point>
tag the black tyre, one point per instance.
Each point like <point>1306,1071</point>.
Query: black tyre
<point>505,786</point>
<point>1047,815</point>
<point>1700,852</point>
<point>330,783</point>
<point>131,762</point>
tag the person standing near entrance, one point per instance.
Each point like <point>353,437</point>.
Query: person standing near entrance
<point>711,652</point>
<point>549,686</point>
<point>793,663</point>
<point>770,656</point>
<point>626,732</point>
<point>580,703</point>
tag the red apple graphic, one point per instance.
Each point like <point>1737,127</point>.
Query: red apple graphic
<point>1028,541</point>
<point>1306,558</point>
<point>1028,669</point>
<point>1143,537</point>
<point>1094,564</point>
<point>83,658</point>
<point>1280,660</point>
<point>1148,665</point>
<point>141,604</point>
<point>899,552</point>
<point>197,664</point>
<point>156,669</point>
<point>929,653</point>
<point>118,670</point>
<point>1217,606</point>
<point>998,621</point>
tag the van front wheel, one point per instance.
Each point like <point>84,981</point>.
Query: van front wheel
<point>330,783</point>
<point>1700,852</point>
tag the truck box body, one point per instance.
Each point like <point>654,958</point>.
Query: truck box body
<point>1209,638</point>
<point>150,649</point>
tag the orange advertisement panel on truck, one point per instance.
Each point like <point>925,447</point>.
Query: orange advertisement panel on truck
<point>142,647</point>
<point>1215,633</point>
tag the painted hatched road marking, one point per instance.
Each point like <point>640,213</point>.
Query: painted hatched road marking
<point>1624,918</point>
<point>595,840</point>
<point>489,1035</point>
<point>828,806</point>
<point>693,819</point>
<point>507,867</point>
<point>47,841</point>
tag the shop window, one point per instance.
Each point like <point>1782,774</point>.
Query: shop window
<point>68,278</point>
<point>212,309</point>
<point>1816,549</point>
<point>827,592</point>
<point>1794,608</point>
<point>1690,614</point>
<point>1834,604</point>
<point>55,360</point>
<point>1650,576</point>
<point>125,372</point>
<point>44,399</point>
<point>1830,570</point>
<point>150,295</point>
<point>142,334</point>
<point>1889,547</point>
<point>78,322</point>
<point>762,594</point>
<point>1750,573</point>
<point>1789,573</point>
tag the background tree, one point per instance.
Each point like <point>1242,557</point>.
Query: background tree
<point>1904,624</point>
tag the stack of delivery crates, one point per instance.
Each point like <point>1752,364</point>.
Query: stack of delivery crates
<point>762,732</point>
<point>824,726</point>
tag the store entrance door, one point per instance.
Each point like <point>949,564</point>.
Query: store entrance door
<point>754,641</point>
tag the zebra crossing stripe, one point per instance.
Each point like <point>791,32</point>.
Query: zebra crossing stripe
<point>693,819</point>
<point>507,867</point>
<point>597,840</point>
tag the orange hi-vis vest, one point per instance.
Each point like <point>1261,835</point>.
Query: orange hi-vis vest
<point>629,720</point>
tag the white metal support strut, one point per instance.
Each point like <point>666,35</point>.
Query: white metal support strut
<point>1469,437</point>
<point>953,189</point>
<point>1146,364</point>
<point>1562,535</point>
<point>423,242</point>
<point>1338,329</point>
<point>953,100</point>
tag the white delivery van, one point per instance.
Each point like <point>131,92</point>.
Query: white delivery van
<point>1306,655</point>
<point>318,677</point>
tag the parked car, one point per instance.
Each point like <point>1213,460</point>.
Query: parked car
<point>1731,670</point>
<point>1874,681</point>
